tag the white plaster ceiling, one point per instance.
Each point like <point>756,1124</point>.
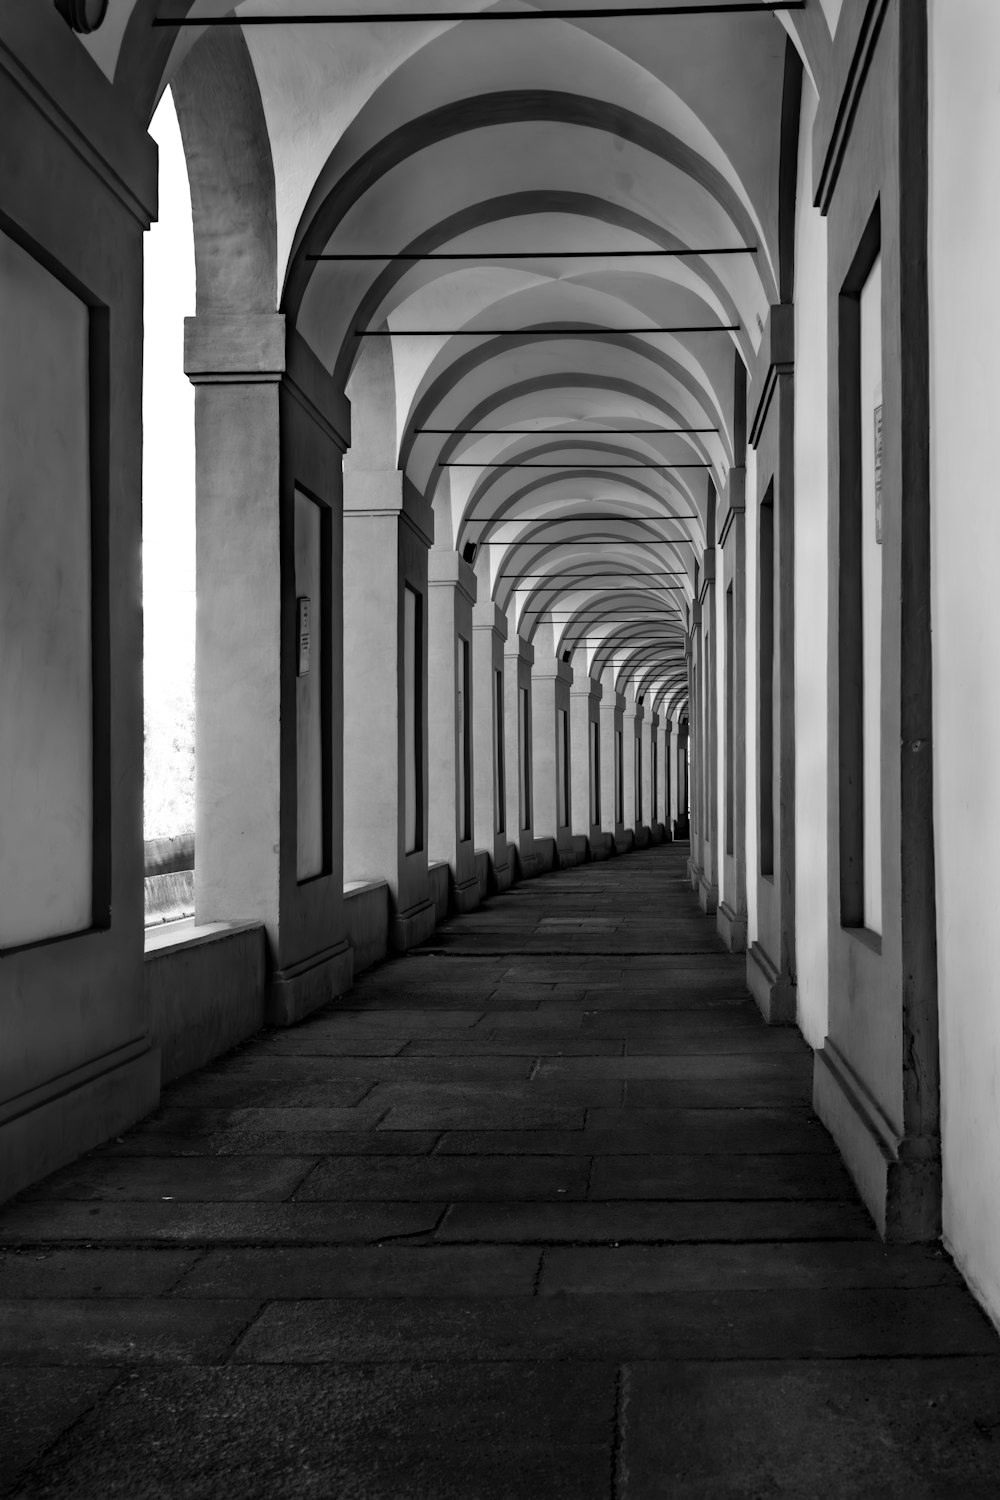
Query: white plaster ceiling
<point>543,136</point>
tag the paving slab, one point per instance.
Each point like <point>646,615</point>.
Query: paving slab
<point>204,1223</point>
<point>121,1272</point>
<point>446,1179</point>
<point>381,1271</point>
<point>641,1270</point>
<point>622,1222</point>
<point>135,1331</point>
<point>239,1141</point>
<point>356,1434</point>
<point>707,1325</point>
<point>917,1429</point>
<point>38,1405</point>
<point>181,1180</point>
<point>708,1177</point>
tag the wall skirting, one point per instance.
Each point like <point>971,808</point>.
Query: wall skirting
<point>774,992</point>
<point>732,927</point>
<point>52,1125</point>
<point>299,989</point>
<point>899,1179</point>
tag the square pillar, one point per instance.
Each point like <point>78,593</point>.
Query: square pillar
<point>731,916</point>
<point>267,786</point>
<point>550,752</point>
<point>519,655</point>
<point>490,745</point>
<point>650,774</point>
<point>708,882</point>
<point>665,750</point>
<point>612,709</point>
<point>633,808</point>
<point>451,585</point>
<point>682,782</point>
<point>388,530</point>
<point>585,732</point>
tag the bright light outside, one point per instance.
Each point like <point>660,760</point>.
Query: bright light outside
<point>168,486</point>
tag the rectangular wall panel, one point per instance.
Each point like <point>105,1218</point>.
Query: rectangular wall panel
<point>309,686</point>
<point>46,634</point>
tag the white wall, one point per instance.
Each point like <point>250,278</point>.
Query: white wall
<point>46,741</point>
<point>965,536</point>
<point>168,491</point>
<point>811,592</point>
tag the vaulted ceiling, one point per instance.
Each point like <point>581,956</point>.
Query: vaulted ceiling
<point>592,218</point>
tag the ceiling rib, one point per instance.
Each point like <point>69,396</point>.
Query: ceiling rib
<point>604,12</point>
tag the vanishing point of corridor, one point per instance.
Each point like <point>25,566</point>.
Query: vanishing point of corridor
<point>539,1211</point>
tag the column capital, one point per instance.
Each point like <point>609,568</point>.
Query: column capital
<point>613,704</point>
<point>518,647</point>
<point>446,569</point>
<point>551,666</point>
<point>234,348</point>
<point>587,687</point>
<point>489,616</point>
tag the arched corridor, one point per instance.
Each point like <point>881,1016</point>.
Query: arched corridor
<point>521,527</point>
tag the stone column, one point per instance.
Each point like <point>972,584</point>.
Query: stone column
<point>450,701</point>
<point>250,774</point>
<point>585,718</point>
<point>708,885</point>
<point>669,793</point>
<point>731,917</point>
<point>491,749</point>
<point>612,709</point>
<point>551,757</point>
<point>695,740</point>
<point>388,529</point>
<point>631,787</point>
<point>519,655</point>
<point>648,734</point>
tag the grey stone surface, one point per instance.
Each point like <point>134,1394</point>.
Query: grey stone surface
<point>528,1226</point>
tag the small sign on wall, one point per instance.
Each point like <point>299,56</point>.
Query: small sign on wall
<point>303,610</point>
<point>878,471</point>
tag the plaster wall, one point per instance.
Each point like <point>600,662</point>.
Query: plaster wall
<point>811,587</point>
<point>491,752</point>
<point>46,725</point>
<point>965,541</point>
<point>308,688</point>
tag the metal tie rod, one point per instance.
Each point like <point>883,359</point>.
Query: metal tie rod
<point>479,255</point>
<point>465,464</point>
<point>598,13</point>
<point>557,431</point>
<point>535,333</point>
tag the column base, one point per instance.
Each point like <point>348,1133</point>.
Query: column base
<point>708,896</point>
<point>624,842</point>
<point>407,929</point>
<point>465,895</point>
<point>659,834</point>
<point>899,1178</point>
<point>601,846</point>
<point>503,876</point>
<point>775,993</point>
<point>643,837</point>
<point>299,989</point>
<point>732,927</point>
<point>693,872</point>
<point>57,1122</point>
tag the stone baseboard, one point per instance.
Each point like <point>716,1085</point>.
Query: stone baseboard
<point>732,927</point>
<point>49,1126</point>
<point>899,1178</point>
<point>693,872</point>
<point>708,896</point>
<point>407,929</point>
<point>775,993</point>
<point>503,875</point>
<point>299,989</point>
<point>464,895</point>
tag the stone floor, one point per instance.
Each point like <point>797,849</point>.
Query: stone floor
<point>540,1213</point>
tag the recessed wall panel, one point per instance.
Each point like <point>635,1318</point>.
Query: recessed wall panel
<point>46,650</point>
<point>309,686</point>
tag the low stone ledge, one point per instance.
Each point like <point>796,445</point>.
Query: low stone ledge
<point>204,989</point>
<point>366,912</point>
